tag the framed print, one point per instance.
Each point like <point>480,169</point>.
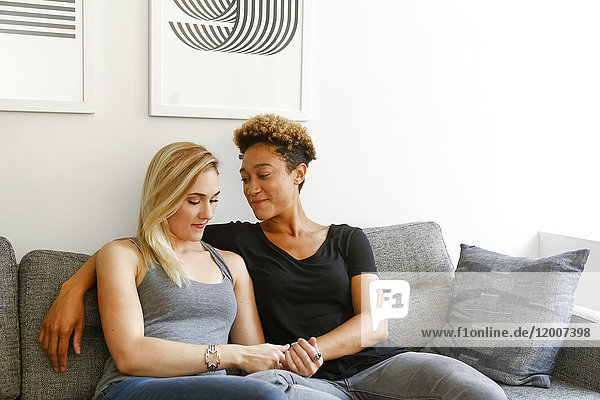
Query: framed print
<point>229,58</point>
<point>47,55</point>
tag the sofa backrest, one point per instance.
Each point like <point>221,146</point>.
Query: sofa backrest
<point>415,252</point>
<point>41,273</point>
<point>10,367</point>
<point>415,247</point>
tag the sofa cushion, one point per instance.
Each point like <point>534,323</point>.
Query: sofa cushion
<point>10,367</point>
<point>493,288</point>
<point>579,364</point>
<point>41,273</point>
<point>415,247</point>
<point>560,390</point>
<point>415,252</point>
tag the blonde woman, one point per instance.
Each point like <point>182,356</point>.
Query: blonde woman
<point>169,301</point>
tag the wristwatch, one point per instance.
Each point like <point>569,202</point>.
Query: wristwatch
<point>212,358</point>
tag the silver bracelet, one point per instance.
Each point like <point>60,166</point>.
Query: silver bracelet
<point>212,365</point>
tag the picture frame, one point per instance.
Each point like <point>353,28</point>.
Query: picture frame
<point>198,70</point>
<point>51,63</point>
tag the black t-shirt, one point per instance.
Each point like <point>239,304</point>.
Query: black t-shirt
<point>304,298</point>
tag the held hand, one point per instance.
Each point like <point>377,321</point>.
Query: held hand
<point>64,318</point>
<point>304,357</point>
<point>262,357</point>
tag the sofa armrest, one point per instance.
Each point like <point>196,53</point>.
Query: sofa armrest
<point>41,273</point>
<point>580,365</point>
<point>10,359</point>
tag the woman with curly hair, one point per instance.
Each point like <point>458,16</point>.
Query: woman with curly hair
<point>308,278</point>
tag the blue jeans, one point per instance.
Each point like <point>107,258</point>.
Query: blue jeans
<point>191,387</point>
<point>404,376</point>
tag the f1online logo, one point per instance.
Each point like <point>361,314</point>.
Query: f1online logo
<point>388,299</point>
<point>263,27</point>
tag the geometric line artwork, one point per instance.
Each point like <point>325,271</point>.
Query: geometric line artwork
<point>19,17</point>
<point>209,10</point>
<point>263,27</point>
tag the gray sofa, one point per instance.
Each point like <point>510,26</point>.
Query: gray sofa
<point>28,289</point>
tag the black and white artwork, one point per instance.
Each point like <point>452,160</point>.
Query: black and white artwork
<point>47,55</point>
<point>229,58</point>
<point>53,18</point>
<point>255,27</point>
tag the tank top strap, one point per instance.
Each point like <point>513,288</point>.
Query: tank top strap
<point>136,241</point>
<point>219,260</point>
<point>213,252</point>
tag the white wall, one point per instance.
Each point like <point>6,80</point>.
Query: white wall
<point>587,289</point>
<point>480,115</point>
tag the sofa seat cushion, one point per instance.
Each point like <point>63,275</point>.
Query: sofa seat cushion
<point>580,365</point>
<point>559,390</point>
<point>41,273</point>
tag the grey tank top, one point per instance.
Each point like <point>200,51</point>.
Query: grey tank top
<point>199,313</point>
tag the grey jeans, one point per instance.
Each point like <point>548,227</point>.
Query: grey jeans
<point>404,376</point>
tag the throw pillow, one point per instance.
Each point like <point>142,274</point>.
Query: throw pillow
<point>493,288</point>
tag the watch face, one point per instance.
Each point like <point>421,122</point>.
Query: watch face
<point>212,358</point>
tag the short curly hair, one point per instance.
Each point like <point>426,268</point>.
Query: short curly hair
<point>288,138</point>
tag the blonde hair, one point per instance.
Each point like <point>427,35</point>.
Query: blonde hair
<point>170,175</point>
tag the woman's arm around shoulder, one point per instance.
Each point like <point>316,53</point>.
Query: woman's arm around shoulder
<point>66,316</point>
<point>246,327</point>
